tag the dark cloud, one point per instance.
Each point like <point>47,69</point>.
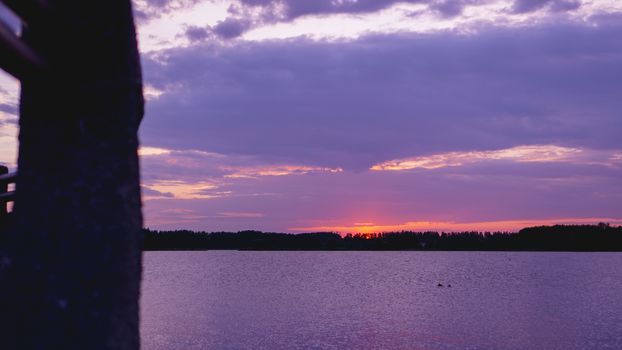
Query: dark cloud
<point>8,108</point>
<point>565,5</point>
<point>299,8</point>
<point>195,33</point>
<point>231,28</point>
<point>160,3</point>
<point>354,104</point>
<point>274,11</point>
<point>7,122</point>
<point>156,8</point>
<point>524,6</point>
<point>10,111</point>
<point>153,193</point>
<point>448,8</point>
<point>246,14</point>
<point>188,166</point>
<point>287,10</point>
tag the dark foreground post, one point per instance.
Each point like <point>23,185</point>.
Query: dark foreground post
<point>70,277</point>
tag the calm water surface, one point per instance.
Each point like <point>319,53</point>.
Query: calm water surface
<point>381,300</point>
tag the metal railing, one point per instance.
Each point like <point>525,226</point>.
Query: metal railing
<point>6,196</point>
<point>21,61</point>
<point>17,58</point>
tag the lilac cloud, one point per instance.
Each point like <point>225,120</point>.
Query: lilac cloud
<point>448,8</point>
<point>473,193</point>
<point>8,108</point>
<point>358,103</point>
<point>520,154</point>
<point>524,6</point>
<point>196,33</point>
<point>231,28</point>
<point>504,123</point>
<point>204,196</point>
<point>150,193</point>
<point>148,9</point>
<point>297,8</point>
<point>244,15</point>
<point>273,11</point>
<point>565,5</point>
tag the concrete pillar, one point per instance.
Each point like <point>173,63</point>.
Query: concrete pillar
<point>70,277</point>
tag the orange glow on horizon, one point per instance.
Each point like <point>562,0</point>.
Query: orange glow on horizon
<point>450,226</point>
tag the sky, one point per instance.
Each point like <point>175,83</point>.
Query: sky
<point>375,115</point>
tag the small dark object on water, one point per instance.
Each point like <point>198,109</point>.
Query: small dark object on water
<point>449,286</point>
<point>439,285</point>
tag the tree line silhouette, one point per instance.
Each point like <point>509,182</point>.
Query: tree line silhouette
<point>601,237</point>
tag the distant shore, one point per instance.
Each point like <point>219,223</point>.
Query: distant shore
<point>579,238</point>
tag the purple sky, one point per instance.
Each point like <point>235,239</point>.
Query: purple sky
<point>372,115</point>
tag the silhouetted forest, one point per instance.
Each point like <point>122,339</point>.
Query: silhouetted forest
<point>601,237</point>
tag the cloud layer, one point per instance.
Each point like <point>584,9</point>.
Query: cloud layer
<point>527,116</point>
<point>376,115</point>
<point>245,15</point>
<point>357,103</point>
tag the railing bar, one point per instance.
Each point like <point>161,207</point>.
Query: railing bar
<point>28,10</point>
<point>17,58</point>
<point>7,197</point>
<point>10,177</point>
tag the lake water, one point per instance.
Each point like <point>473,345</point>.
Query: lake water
<point>381,300</point>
